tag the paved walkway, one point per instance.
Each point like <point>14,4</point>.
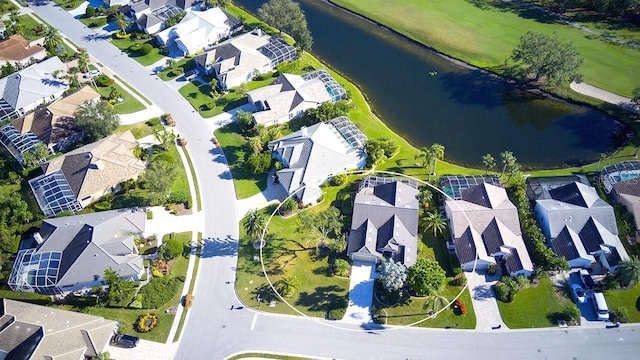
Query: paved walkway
<point>273,194</point>
<point>360,292</point>
<point>484,301</point>
<point>604,95</point>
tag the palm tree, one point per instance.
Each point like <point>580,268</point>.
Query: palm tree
<point>121,21</point>
<point>425,197</point>
<point>166,139</point>
<point>287,285</point>
<point>629,271</point>
<point>437,152</point>
<point>102,356</point>
<point>220,3</point>
<point>435,302</point>
<point>435,222</point>
<point>83,59</point>
<point>52,39</point>
<point>14,18</point>
<point>488,162</point>
<point>254,223</point>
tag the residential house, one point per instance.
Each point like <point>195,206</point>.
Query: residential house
<point>53,125</point>
<point>33,332</point>
<point>24,90</point>
<point>622,182</point>
<point>17,49</point>
<point>71,253</point>
<point>485,230</point>
<point>150,15</point>
<point>241,58</point>
<point>580,226</point>
<point>315,153</point>
<point>198,30</point>
<point>385,221</point>
<point>290,95</point>
<point>82,176</point>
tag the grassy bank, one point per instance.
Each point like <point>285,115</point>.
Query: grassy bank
<point>483,33</point>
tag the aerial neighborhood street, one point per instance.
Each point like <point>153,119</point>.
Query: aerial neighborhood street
<point>379,249</point>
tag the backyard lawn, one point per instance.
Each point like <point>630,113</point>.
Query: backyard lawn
<point>532,306</point>
<point>484,34</point>
<point>628,299</point>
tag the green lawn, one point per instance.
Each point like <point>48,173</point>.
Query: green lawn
<point>237,151</point>
<point>194,177</point>
<point>29,24</point>
<point>68,4</point>
<point>484,34</point>
<point>181,265</point>
<point>290,253</point>
<point>144,59</point>
<point>130,103</point>
<point>628,299</point>
<point>94,22</point>
<point>192,284</point>
<point>531,306</point>
<point>142,129</point>
<point>185,63</point>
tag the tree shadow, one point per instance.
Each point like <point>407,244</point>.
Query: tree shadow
<point>523,10</point>
<point>321,298</point>
<point>219,247</point>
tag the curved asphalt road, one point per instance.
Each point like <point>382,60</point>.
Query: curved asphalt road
<point>213,331</point>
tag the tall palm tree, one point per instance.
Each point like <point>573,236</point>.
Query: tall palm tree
<point>121,21</point>
<point>629,271</point>
<point>254,223</point>
<point>437,152</point>
<point>83,59</point>
<point>287,285</point>
<point>52,39</point>
<point>14,18</point>
<point>435,222</point>
<point>166,138</point>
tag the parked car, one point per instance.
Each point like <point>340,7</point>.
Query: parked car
<point>190,75</point>
<point>92,73</point>
<point>578,293</point>
<point>600,304</point>
<point>124,340</point>
<point>586,279</point>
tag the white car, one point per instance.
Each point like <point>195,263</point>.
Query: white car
<point>92,73</point>
<point>578,293</point>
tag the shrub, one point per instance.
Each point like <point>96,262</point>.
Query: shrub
<point>620,314</point>
<point>458,304</point>
<point>159,291</point>
<point>135,47</point>
<point>459,280</point>
<point>137,302</point>
<point>156,272</point>
<point>278,166</point>
<point>209,105</point>
<point>289,205</point>
<point>170,249</point>
<point>90,11</point>
<point>146,48</point>
<point>188,300</point>
<point>337,308</point>
<point>103,205</point>
<point>120,35</point>
<point>259,162</point>
<point>339,179</point>
<point>165,157</point>
<point>147,322</point>
<point>522,281</point>
<point>182,141</point>
<point>341,267</point>
<point>492,270</point>
<point>180,196</point>
<point>103,80</point>
<point>570,314</point>
<point>155,121</point>
<point>502,292</point>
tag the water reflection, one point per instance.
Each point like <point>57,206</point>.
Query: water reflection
<point>427,99</point>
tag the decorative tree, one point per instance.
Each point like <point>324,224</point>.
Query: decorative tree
<point>426,277</point>
<point>393,275</point>
<point>488,162</point>
<point>628,271</point>
<point>254,223</point>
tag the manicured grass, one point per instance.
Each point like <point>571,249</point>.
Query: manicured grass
<point>628,299</point>
<point>130,103</point>
<point>237,151</point>
<point>144,59</point>
<point>290,253</point>
<point>29,297</point>
<point>94,22</point>
<point>194,177</point>
<point>141,130</point>
<point>29,24</point>
<point>532,306</point>
<point>185,63</point>
<point>182,263</point>
<point>192,284</point>
<point>132,89</point>
<point>68,4</point>
<point>181,182</point>
<point>485,33</point>
<point>412,309</point>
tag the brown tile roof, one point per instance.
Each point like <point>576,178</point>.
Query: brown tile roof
<point>17,48</point>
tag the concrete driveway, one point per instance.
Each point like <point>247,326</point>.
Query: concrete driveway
<point>484,300</point>
<point>363,275</point>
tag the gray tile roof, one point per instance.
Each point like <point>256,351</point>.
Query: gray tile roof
<point>312,154</point>
<point>385,218</point>
<point>32,84</point>
<point>91,243</point>
<point>39,332</point>
<point>486,222</point>
<point>564,244</point>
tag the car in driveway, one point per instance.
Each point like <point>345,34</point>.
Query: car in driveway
<point>92,73</point>
<point>586,279</point>
<point>578,293</point>
<point>124,340</point>
<point>190,75</point>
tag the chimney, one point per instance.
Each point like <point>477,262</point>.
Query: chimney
<point>99,164</point>
<point>304,131</point>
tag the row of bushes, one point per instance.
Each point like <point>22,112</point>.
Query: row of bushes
<point>159,291</point>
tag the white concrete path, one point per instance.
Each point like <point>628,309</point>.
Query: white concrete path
<point>606,96</point>
<point>484,301</point>
<point>360,293</point>
<point>273,194</point>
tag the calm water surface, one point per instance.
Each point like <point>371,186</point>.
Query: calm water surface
<point>469,112</point>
